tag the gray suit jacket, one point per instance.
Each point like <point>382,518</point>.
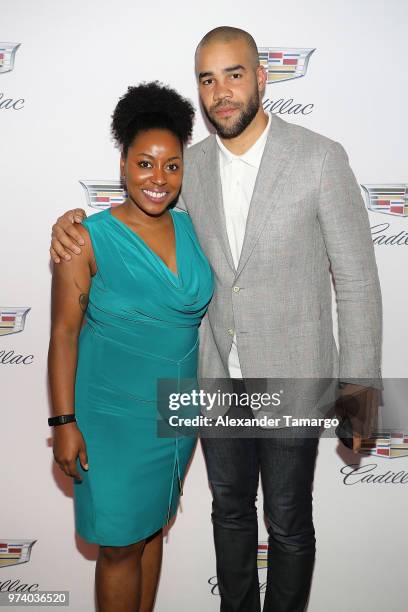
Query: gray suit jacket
<point>306,222</point>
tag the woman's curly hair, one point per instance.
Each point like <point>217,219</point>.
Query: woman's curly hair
<point>151,106</point>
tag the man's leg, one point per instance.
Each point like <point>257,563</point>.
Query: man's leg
<point>233,472</point>
<point>287,470</point>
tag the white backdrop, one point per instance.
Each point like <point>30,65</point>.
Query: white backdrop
<point>75,59</point>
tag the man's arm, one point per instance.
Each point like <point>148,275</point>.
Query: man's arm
<point>65,237</point>
<point>346,231</point>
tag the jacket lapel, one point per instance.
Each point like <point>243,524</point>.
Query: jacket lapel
<point>275,167</point>
<point>210,178</point>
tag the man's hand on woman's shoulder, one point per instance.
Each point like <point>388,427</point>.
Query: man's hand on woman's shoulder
<point>65,237</point>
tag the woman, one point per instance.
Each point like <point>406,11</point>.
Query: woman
<point>144,284</point>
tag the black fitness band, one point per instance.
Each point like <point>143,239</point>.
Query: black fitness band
<point>61,419</point>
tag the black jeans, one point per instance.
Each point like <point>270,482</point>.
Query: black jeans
<point>286,465</point>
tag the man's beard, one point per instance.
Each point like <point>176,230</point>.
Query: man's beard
<point>245,117</point>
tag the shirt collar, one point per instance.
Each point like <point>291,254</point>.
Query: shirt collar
<point>253,156</point>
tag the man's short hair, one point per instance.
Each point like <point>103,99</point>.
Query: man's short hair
<point>225,34</point>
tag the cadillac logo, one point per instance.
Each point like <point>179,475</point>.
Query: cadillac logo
<point>282,64</point>
<point>262,556</point>
<point>390,199</point>
<point>12,319</point>
<point>386,444</point>
<point>103,194</point>
<point>14,552</point>
<point>7,54</point>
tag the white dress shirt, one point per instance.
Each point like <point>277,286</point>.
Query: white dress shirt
<point>238,176</point>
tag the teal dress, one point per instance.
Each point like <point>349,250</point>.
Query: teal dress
<point>141,325</point>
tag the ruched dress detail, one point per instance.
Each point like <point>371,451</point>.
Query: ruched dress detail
<point>141,325</point>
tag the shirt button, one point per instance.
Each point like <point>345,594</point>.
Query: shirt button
<point>236,289</point>
<point>231,332</point>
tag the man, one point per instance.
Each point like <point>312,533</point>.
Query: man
<point>276,208</point>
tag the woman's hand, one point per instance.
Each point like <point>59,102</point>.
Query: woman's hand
<point>68,444</point>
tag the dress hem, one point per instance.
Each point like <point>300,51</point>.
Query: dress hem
<point>133,541</point>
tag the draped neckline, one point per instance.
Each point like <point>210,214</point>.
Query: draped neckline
<point>176,277</point>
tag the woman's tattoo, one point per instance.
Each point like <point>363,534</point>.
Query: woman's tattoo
<point>83,301</point>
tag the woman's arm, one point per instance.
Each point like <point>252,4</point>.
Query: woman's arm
<point>69,297</point>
